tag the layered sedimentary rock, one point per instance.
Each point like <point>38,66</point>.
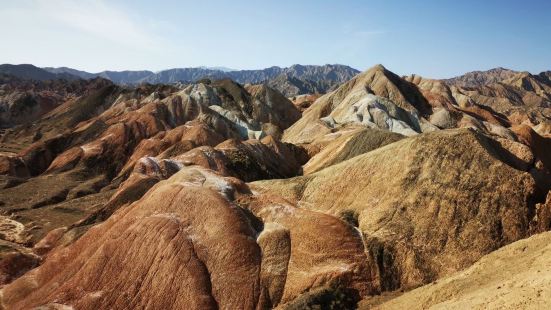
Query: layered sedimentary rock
<point>400,191</point>
<point>376,98</point>
<point>346,144</point>
<point>120,197</point>
<point>165,251</point>
<point>517,276</point>
<point>90,143</point>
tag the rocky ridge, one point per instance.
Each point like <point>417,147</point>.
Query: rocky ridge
<point>382,185</point>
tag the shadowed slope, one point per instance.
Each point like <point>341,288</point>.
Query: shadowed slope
<point>459,179</point>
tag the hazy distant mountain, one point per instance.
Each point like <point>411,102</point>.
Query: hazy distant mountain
<point>335,73</point>
<point>30,72</point>
<point>182,74</point>
<point>64,70</point>
<point>291,86</point>
<point>224,69</point>
<point>480,78</point>
<point>119,77</point>
<point>125,77</point>
<point>297,79</point>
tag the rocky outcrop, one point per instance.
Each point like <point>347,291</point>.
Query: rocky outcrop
<point>23,101</point>
<point>542,219</point>
<point>460,179</point>
<point>514,277</point>
<point>92,143</point>
<point>347,144</point>
<point>15,259</point>
<point>11,165</point>
<point>272,107</point>
<point>164,250</point>
<point>249,161</point>
<point>376,98</point>
<point>303,102</point>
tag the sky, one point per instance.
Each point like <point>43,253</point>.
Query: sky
<point>437,39</point>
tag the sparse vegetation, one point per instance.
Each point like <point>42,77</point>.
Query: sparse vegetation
<point>350,217</point>
<point>326,298</point>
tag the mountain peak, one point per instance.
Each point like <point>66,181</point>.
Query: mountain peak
<point>378,67</point>
<point>481,78</point>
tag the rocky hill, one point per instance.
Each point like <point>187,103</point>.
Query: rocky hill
<point>387,191</point>
<point>23,101</point>
<point>514,277</point>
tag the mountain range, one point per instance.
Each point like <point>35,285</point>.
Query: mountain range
<point>291,81</point>
<point>385,192</point>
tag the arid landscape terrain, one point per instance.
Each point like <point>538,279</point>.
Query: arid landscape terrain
<point>307,187</point>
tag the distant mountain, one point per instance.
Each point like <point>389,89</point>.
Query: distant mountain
<point>119,77</point>
<point>292,86</point>
<point>481,78</point>
<point>125,77</point>
<point>30,72</point>
<point>182,74</point>
<point>501,80</point>
<point>333,73</point>
<point>224,69</point>
<point>65,70</point>
<point>545,77</point>
<point>297,79</point>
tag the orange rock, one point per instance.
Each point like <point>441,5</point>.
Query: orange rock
<point>165,250</point>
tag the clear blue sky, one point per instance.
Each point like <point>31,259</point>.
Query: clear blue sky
<point>439,38</point>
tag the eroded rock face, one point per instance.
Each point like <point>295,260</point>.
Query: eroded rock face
<point>400,191</point>
<point>542,219</point>
<point>348,144</point>
<point>376,98</point>
<point>15,259</point>
<point>23,101</point>
<point>178,246</point>
<point>92,142</point>
<point>303,102</point>
<point>165,250</point>
<point>323,249</point>
<point>14,166</point>
<point>250,160</point>
<point>272,107</point>
<point>514,277</point>
<point>135,197</point>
